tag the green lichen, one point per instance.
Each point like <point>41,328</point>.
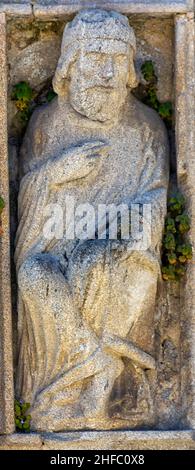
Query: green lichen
<point>176,250</point>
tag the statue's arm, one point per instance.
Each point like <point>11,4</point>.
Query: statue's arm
<point>65,164</point>
<point>72,164</point>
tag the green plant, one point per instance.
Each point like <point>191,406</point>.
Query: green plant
<point>165,110</point>
<point>50,95</point>
<point>22,419</point>
<point>150,94</point>
<point>2,204</point>
<point>148,71</point>
<point>26,100</point>
<point>176,251</point>
<point>22,95</point>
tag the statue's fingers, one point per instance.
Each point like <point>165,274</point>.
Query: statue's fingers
<point>104,150</point>
<point>98,151</point>
<point>88,150</point>
<point>95,151</point>
<point>91,159</point>
<point>88,146</point>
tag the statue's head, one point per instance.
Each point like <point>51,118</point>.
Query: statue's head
<point>97,63</point>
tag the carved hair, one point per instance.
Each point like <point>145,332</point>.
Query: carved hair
<point>90,25</point>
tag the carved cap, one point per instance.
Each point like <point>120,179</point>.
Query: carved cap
<point>98,24</point>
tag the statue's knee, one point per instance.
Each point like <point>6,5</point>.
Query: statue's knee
<point>29,273</point>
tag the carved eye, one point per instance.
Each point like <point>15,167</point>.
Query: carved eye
<point>122,58</point>
<point>93,56</point>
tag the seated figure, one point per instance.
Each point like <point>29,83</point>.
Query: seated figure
<point>86,305</point>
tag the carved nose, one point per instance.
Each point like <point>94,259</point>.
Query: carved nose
<point>108,70</point>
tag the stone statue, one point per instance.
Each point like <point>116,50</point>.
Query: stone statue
<point>86,306</point>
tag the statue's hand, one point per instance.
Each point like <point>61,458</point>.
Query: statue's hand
<point>81,160</point>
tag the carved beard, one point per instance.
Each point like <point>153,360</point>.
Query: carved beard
<point>98,103</point>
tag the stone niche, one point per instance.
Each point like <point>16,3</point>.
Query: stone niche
<point>29,52</point>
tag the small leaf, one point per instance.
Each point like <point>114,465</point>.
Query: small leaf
<point>50,95</point>
<point>169,273</point>
<point>165,277</point>
<point>180,270</point>
<point>184,223</point>
<point>170,225</point>
<point>22,92</point>
<point>19,425</point>
<point>165,110</point>
<point>185,249</point>
<point>169,241</point>
<point>2,204</point>
<point>147,69</point>
<point>182,259</point>
<point>28,417</point>
<point>17,410</point>
<point>176,203</point>
<point>26,426</point>
<point>172,258</point>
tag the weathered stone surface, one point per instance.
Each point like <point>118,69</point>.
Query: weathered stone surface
<point>168,392</point>
<point>21,442</point>
<point>70,291</point>
<point>117,440</point>
<point>185,146</point>
<point>36,63</point>
<point>16,8</point>
<point>87,3</point>
<point>6,370</point>
<point>114,440</point>
<point>124,6</point>
<point>60,8</point>
<point>157,47</point>
<point>33,51</point>
<point>17,2</point>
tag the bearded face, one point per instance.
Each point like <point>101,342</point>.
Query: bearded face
<point>98,81</point>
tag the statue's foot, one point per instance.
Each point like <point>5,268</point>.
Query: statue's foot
<point>96,395</point>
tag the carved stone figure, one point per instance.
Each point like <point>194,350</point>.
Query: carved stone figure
<point>86,306</point>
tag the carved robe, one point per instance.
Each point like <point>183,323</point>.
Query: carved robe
<point>79,302</point>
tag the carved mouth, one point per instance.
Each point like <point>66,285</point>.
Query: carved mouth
<point>102,87</point>
<point>105,87</point>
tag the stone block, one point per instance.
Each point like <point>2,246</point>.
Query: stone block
<point>6,370</point>
<point>185,147</point>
